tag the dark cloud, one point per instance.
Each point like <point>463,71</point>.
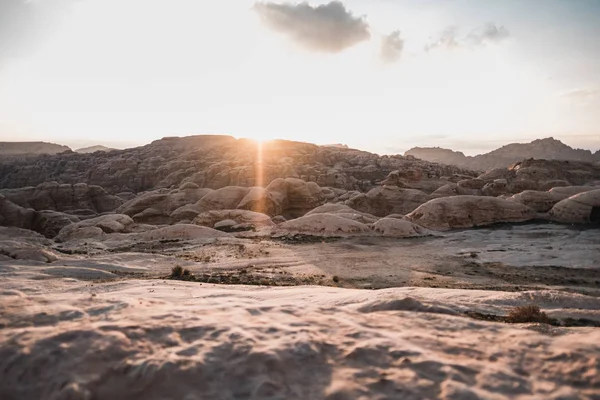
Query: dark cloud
<point>24,24</point>
<point>327,28</point>
<point>391,47</point>
<point>450,39</point>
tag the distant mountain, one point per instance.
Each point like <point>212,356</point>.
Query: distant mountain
<point>93,149</point>
<point>25,148</point>
<point>548,149</point>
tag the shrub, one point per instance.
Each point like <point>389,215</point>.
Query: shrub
<point>530,313</point>
<point>177,271</point>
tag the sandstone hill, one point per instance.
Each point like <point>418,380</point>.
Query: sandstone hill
<point>215,162</point>
<point>27,148</point>
<point>548,148</point>
<point>93,149</point>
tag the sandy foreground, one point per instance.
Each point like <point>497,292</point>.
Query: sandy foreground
<point>100,321</point>
<point>161,339</point>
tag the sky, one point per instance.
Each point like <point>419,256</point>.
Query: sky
<point>379,75</point>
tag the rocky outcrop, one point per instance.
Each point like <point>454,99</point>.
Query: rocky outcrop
<point>63,197</point>
<point>384,200</point>
<point>46,222</point>
<point>215,162</point>
<point>543,201</point>
<point>469,211</point>
<point>548,149</point>
<point>583,208</point>
<point>155,207</point>
<point>249,219</point>
<point>96,228</point>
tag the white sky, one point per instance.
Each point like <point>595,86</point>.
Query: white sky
<point>125,72</point>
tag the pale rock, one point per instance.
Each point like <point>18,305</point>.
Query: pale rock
<point>469,211</point>
<point>210,218</point>
<point>394,227</point>
<point>324,224</point>
<point>582,208</point>
<point>385,200</point>
<point>96,227</point>
<point>179,231</point>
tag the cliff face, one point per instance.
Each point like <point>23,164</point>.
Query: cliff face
<point>24,148</point>
<point>548,149</point>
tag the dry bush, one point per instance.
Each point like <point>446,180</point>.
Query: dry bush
<point>177,271</point>
<point>530,313</point>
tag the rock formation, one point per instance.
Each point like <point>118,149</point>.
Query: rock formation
<point>583,208</point>
<point>214,162</point>
<point>548,148</point>
<point>469,211</point>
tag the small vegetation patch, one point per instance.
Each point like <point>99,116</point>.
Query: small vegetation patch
<point>532,314</point>
<point>529,313</point>
<point>177,272</point>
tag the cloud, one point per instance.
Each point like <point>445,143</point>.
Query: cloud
<point>448,40</point>
<point>391,47</point>
<point>481,36</point>
<point>489,33</point>
<point>329,28</point>
<point>24,24</point>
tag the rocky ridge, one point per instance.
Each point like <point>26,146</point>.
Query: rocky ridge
<point>548,148</point>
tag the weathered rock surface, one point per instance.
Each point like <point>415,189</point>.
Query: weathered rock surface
<point>211,218</point>
<point>156,207</point>
<point>583,208</point>
<point>63,197</point>
<point>96,227</point>
<point>469,211</point>
<point>543,201</point>
<point>324,224</point>
<point>214,162</point>
<point>385,200</point>
<point>394,227</point>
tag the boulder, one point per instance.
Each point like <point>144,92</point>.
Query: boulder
<point>13,215</point>
<point>582,208</point>
<point>96,227</point>
<point>539,201</point>
<point>211,218</point>
<point>49,223</point>
<point>226,198</point>
<point>262,200</point>
<point>21,250</point>
<point>469,211</point>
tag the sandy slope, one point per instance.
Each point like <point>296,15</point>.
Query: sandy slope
<point>154,339</point>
